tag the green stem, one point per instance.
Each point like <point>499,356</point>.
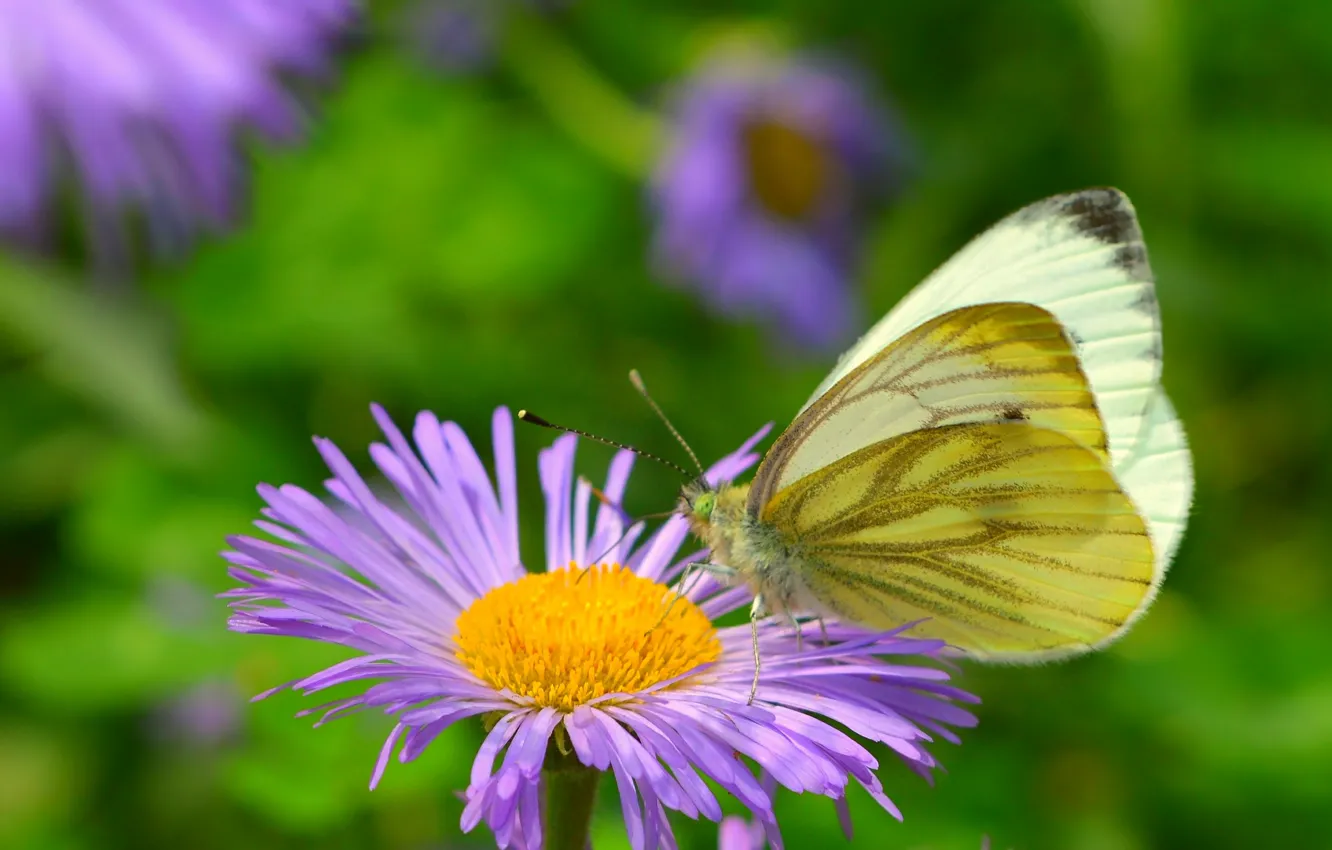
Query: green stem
<point>571,792</point>
<point>576,97</point>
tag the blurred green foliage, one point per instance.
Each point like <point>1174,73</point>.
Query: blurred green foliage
<point>449,244</point>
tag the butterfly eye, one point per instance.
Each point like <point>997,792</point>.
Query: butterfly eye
<point>704,504</point>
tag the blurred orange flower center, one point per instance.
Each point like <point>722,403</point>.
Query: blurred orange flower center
<point>566,637</point>
<point>787,169</point>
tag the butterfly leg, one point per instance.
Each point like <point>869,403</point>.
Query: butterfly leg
<point>689,571</point>
<point>582,572</point>
<point>699,568</point>
<point>692,569</point>
<point>823,631</point>
<point>682,586</point>
<point>755,613</point>
<point>799,634</point>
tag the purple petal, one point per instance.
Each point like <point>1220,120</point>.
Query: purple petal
<point>556,466</point>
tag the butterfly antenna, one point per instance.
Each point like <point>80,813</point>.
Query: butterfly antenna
<point>529,416</point>
<point>637,380</point>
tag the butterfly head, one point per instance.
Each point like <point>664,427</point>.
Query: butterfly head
<point>698,499</point>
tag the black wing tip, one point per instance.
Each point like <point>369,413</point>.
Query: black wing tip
<point>1103,213</point>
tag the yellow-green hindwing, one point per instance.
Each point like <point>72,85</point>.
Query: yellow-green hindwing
<point>1014,541</point>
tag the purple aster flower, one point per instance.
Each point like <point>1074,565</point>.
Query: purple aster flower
<point>760,194</point>
<point>140,100</point>
<point>590,665</point>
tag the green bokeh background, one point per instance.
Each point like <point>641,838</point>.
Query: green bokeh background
<point>456,244</point>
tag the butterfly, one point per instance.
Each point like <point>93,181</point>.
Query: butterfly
<point>995,460</point>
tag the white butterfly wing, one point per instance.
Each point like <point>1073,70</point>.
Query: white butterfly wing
<point>1158,477</point>
<point>1081,257</point>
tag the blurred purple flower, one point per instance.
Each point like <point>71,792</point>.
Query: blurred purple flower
<point>452,36</point>
<point>206,714</point>
<point>761,193</point>
<point>592,662</point>
<point>736,833</point>
<point>139,102</point>
<point>461,36</point>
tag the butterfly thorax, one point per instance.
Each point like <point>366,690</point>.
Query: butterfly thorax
<point>757,553</point>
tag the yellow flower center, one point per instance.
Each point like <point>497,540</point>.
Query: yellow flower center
<point>566,637</point>
<point>787,169</point>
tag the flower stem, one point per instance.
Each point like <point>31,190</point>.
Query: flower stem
<point>591,110</point>
<point>571,792</point>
